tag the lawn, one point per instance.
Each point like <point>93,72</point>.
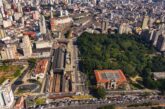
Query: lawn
<point>40,101</point>
<point>9,72</point>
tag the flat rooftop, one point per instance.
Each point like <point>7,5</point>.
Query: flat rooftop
<point>159,75</point>
<point>103,76</point>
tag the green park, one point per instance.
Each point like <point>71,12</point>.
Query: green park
<point>129,53</point>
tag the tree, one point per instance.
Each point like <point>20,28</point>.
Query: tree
<point>17,73</point>
<point>107,107</point>
<point>32,62</point>
<point>126,52</point>
<point>100,92</point>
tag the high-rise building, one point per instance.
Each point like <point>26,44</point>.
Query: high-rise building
<point>8,52</point>
<point>104,26</point>
<point>121,28</point>
<point>151,22</point>
<point>42,25</point>
<point>26,45</point>
<point>155,37</point>
<point>161,43</point>
<point>145,22</point>
<point>6,96</point>
<point>125,28</point>
<point>152,33</point>
<point>20,8</point>
<point>2,33</point>
<point>162,25</point>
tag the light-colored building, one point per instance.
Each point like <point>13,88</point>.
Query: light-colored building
<point>2,33</point>
<point>57,24</point>
<point>6,96</point>
<point>7,23</point>
<point>125,28</point>
<point>42,25</point>
<point>104,26</point>
<point>17,16</point>
<point>26,46</point>
<point>158,75</point>
<point>8,52</point>
<point>161,43</point>
<point>152,33</point>
<point>145,22</point>
<point>155,37</point>
<point>43,44</point>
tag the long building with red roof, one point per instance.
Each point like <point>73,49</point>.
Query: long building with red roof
<point>110,79</point>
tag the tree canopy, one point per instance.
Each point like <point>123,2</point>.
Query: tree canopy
<point>126,52</point>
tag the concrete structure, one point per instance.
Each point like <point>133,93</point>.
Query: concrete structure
<point>159,75</point>
<point>152,33</point>
<point>155,37</point>
<point>6,95</point>
<point>2,33</point>
<point>57,24</point>
<point>26,45</point>
<point>161,43</point>
<point>104,26</point>
<point>42,25</point>
<point>145,22</point>
<point>8,52</point>
<point>43,44</point>
<point>7,23</point>
<point>17,16</point>
<point>124,28</point>
<point>110,79</point>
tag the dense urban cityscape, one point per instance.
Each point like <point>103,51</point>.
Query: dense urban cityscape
<point>82,54</point>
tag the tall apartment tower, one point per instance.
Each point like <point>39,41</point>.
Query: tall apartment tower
<point>104,26</point>
<point>26,46</point>
<point>8,52</point>
<point>2,33</point>
<point>162,26</point>
<point>42,25</point>
<point>161,43</point>
<point>145,22</point>
<point>6,96</point>
<point>125,28</point>
<point>155,37</point>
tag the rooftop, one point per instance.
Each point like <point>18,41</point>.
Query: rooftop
<point>103,76</point>
<point>41,66</point>
<point>159,75</point>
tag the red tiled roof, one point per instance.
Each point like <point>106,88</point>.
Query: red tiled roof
<point>100,79</point>
<point>41,66</point>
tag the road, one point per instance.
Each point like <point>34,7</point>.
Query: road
<point>95,103</point>
<point>20,78</point>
